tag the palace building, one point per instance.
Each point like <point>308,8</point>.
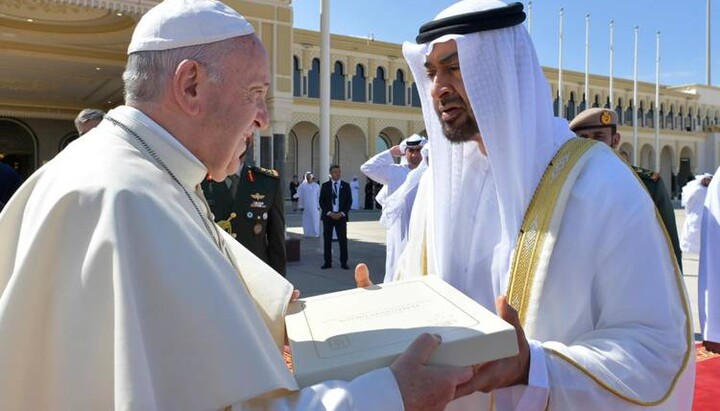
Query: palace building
<point>58,57</point>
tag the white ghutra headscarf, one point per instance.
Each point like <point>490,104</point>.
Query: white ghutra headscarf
<point>510,98</point>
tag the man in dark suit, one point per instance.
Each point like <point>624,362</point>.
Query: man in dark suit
<point>335,203</point>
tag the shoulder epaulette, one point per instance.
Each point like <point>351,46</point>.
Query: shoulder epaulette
<point>266,171</point>
<point>646,174</point>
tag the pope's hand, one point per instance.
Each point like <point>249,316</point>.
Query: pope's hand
<point>426,387</point>
<point>362,276</point>
<point>504,372</point>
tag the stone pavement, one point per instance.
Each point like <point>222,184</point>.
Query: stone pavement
<point>366,244</point>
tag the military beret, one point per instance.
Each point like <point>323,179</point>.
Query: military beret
<point>594,118</point>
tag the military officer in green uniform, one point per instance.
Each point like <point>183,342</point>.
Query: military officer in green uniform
<point>249,205</point>
<point>601,124</point>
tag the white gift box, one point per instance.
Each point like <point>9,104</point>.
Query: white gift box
<point>341,335</point>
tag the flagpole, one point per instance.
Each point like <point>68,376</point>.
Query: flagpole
<point>635,97</point>
<point>530,17</point>
<point>612,52</point>
<point>324,160</point>
<point>657,102</point>
<point>587,61</point>
<point>707,44</point>
<point>560,70</point>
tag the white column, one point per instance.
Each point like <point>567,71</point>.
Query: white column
<point>529,24</point>
<point>657,103</point>
<point>561,111</point>
<point>324,160</point>
<point>635,97</point>
<point>587,61</point>
<point>612,51</point>
<point>707,46</point>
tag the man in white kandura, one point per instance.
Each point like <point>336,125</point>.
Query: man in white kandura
<point>117,290</point>
<point>309,198</point>
<point>396,208</point>
<point>693,199</point>
<point>355,191</point>
<point>709,269</point>
<point>520,216</point>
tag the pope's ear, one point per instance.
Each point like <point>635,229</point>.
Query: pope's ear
<point>186,85</point>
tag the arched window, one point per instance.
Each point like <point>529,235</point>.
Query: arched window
<point>582,105</point>
<point>297,78</point>
<point>379,94</point>
<point>358,84</point>
<point>415,96</point>
<point>570,113</point>
<point>337,82</point>
<point>629,117</point>
<point>314,79</point>
<point>399,89</point>
<point>382,143</point>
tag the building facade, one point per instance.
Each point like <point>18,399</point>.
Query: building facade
<point>58,57</point>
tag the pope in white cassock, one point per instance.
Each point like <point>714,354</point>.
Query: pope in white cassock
<point>117,290</point>
<point>308,194</point>
<point>709,268</point>
<point>693,199</point>
<point>579,251</point>
<point>397,204</point>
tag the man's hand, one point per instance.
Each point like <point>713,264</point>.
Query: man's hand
<point>504,372</point>
<point>397,151</point>
<point>426,387</point>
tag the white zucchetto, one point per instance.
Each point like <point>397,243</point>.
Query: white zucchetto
<point>180,23</point>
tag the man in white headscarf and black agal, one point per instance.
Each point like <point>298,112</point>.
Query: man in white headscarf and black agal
<point>117,289</point>
<point>709,267</point>
<point>602,320</point>
<point>396,203</point>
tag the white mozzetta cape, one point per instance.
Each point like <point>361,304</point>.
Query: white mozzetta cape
<point>113,295</point>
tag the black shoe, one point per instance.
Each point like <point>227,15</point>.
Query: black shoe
<point>345,267</point>
<point>326,266</point>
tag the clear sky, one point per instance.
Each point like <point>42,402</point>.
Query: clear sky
<point>681,23</point>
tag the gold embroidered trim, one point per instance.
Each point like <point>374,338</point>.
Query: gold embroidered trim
<point>533,232</point>
<point>532,236</point>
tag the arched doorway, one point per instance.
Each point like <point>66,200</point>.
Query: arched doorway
<point>306,148</point>
<point>666,169</point>
<point>18,146</point>
<point>349,152</point>
<point>647,157</point>
<point>625,151</point>
<point>686,167</point>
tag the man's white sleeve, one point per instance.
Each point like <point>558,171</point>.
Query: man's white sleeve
<point>379,167</point>
<point>376,390</point>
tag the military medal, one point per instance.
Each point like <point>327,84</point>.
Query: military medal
<point>249,214</point>
<point>264,216</point>
<point>257,228</point>
<point>250,176</point>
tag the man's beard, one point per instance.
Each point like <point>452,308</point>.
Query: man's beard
<point>466,130</point>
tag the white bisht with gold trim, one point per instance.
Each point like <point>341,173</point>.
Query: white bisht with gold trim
<point>595,282</point>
